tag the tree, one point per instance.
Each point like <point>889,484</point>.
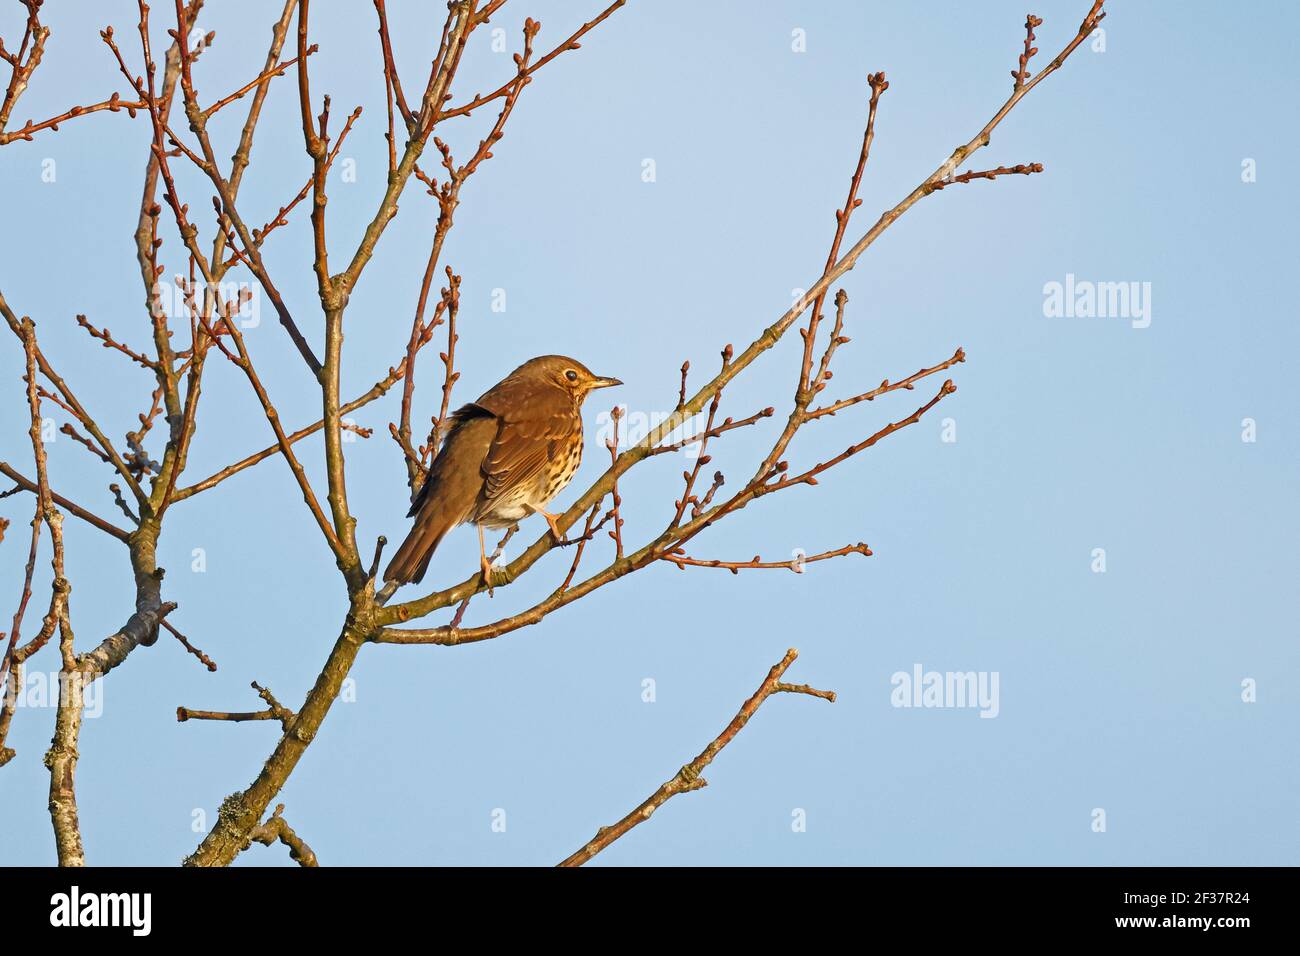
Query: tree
<point>181,346</point>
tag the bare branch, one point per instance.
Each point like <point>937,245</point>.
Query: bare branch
<point>26,484</point>
<point>277,828</point>
<point>206,661</point>
<point>688,777</point>
<point>970,175</point>
<point>1022,74</point>
<point>887,386</point>
<point>76,408</point>
<point>570,44</point>
<point>679,558</point>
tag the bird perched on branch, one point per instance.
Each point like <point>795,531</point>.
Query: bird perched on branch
<point>505,457</point>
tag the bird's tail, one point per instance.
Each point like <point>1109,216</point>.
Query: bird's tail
<point>412,559</point>
<point>447,497</point>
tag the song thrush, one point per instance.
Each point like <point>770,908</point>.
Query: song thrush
<point>505,456</point>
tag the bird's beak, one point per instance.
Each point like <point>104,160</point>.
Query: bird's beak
<point>604,382</point>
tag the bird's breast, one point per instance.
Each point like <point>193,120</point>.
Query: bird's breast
<point>565,468</point>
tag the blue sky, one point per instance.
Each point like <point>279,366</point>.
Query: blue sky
<point>1120,691</point>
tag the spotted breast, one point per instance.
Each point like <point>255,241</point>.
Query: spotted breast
<point>563,455</point>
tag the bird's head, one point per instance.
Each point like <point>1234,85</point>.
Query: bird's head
<point>566,373</point>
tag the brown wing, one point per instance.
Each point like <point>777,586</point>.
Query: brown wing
<point>533,420</point>
<point>448,495</point>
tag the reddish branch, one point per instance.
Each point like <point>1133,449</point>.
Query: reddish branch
<point>22,64</point>
<point>206,661</point>
<point>878,85</point>
<point>392,81</point>
<point>45,515</point>
<point>380,388</point>
<point>69,401</point>
<point>1022,74</point>
<point>688,778</point>
<point>106,337</point>
<point>615,414</point>
<point>448,197</point>
<point>421,335</point>
<point>26,484</point>
<point>277,70</point>
<point>1022,169</point>
<point>887,386</point>
<point>67,429</point>
<point>113,104</point>
<point>701,458</point>
<point>726,425</point>
<point>504,90</point>
<point>679,558</point>
<point>281,217</point>
<point>588,533</point>
<point>450,376</point>
<point>809,477</point>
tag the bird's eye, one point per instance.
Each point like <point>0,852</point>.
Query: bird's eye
<point>571,375</point>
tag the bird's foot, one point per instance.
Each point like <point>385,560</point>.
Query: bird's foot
<point>554,522</point>
<point>485,568</point>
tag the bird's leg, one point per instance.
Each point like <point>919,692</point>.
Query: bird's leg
<point>553,521</point>
<point>484,565</point>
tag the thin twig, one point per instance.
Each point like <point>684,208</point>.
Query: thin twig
<point>688,777</point>
<point>679,558</point>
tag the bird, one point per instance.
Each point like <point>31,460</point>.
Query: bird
<point>505,457</point>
